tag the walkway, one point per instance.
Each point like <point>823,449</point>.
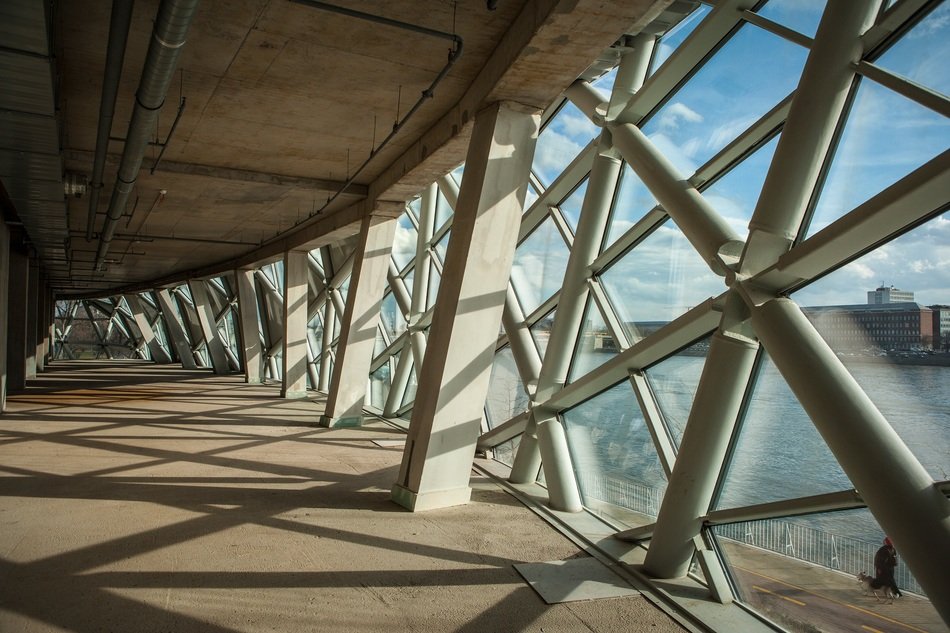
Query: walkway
<point>136,497</point>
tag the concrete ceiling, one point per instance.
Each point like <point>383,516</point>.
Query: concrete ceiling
<point>283,103</point>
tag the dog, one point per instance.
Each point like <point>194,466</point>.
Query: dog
<point>872,586</point>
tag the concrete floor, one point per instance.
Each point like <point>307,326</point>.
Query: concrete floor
<point>142,498</point>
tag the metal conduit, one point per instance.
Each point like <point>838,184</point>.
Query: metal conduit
<point>428,93</point>
<point>168,37</point>
<point>119,24</point>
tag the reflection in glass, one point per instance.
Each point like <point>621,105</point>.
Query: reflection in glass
<point>571,206</point>
<point>538,268</point>
<point>779,564</point>
<point>541,332</point>
<point>735,194</point>
<point>751,73</point>
<point>616,464</point>
<point>885,138</point>
<point>779,453</point>
<point>633,201</point>
<point>506,393</point>
<point>380,383</point>
<point>391,316</point>
<point>674,382</point>
<point>897,350</point>
<point>657,281</point>
<point>595,346</point>
<point>921,54</point>
<point>561,141</point>
<point>795,14</point>
<point>677,35</point>
<point>404,244</point>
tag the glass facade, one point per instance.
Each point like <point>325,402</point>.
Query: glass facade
<point>650,299</point>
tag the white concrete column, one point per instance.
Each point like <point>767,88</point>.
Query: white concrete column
<point>712,418</point>
<point>17,300</point>
<point>354,351</point>
<point>326,348</point>
<point>455,374</point>
<point>294,378</point>
<point>159,355</point>
<point>568,321</point>
<point>209,327</point>
<point>898,490</point>
<point>809,130</point>
<point>706,230</point>
<point>41,325</point>
<point>252,357</point>
<point>32,317</point>
<point>4,308</point>
<point>175,329</point>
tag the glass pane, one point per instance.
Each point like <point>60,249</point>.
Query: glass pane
<point>561,141</point>
<point>751,73</point>
<point>380,345</point>
<point>736,193</point>
<point>594,346</point>
<point>441,247</point>
<point>404,244</point>
<point>380,383</point>
<point>539,264</point>
<point>677,35</point>
<point>787,567</point>
<point>391,316</point>
<point>920,54</point>
<point>541,332</point>
<point>505,453</point>
<point>614,458</point>
<point>779,453</point>
<point>530,196</point>
<point>795,14</point>
<point>605,83</point>
<point>885,138</point>
<point>894,340</point>
<point>443,212</point>
<point>571,206</point>
<point>660,279</point>
<point>432,292</point>
<point>506,393</point>
<point>674,382</point>
<point>633,202</point>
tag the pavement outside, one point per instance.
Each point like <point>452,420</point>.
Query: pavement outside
<point>136,497</point>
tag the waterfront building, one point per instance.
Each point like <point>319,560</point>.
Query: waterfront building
<point>875,327</point>
<point>594,251</point>
<point>885,294</point>
<point>941,326</point>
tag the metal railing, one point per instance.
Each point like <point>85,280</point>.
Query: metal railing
<point>840,553</point>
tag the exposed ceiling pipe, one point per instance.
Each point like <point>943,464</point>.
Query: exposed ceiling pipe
<point>115,55</point>
<point>168,37</point>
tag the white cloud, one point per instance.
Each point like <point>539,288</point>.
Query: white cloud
<point>676,113</point>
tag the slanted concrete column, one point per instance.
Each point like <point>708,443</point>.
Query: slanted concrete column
<point>296,271</point>
<point>41,327</point>
<point>252,355</point>
<point>712,418</point>
<point>354,351</point>
<point>906,502</point>
<point>326,349</point>
<point>17,300</point>
<point>209,327</point>
<point>4,308</point>
<point>176,329</point>
<point>454,377</point>
<point>32,316</point>
<point>158,353</point>
<point>808,133</point>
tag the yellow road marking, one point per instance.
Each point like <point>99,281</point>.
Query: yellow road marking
<point>843,604</point>
<point>867,628</point>
<point>798,602</point>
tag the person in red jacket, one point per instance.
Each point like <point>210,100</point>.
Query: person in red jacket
<point>885,562</point>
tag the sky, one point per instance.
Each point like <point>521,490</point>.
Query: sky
<point>885,137</point>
